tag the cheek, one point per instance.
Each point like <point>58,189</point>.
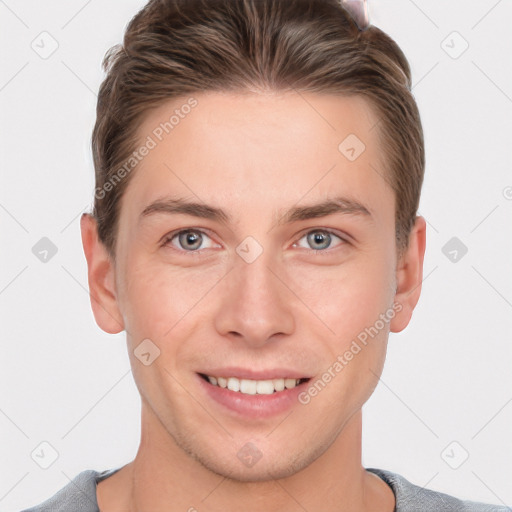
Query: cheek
<point>356,305</point>
<point>346,298</point>
<point>157,296</point>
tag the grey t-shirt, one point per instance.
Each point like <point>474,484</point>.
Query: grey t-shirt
<point>80,496</point>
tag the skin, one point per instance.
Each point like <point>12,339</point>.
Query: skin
<point>254,155</point>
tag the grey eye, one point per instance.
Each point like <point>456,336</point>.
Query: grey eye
<point>319,239</point>
<point>190,240</point>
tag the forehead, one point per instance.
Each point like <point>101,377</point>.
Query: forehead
<point>258,148</point>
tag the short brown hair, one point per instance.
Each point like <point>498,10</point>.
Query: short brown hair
<point>176,47</point>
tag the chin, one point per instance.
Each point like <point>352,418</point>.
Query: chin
<point>266,465</point>
<point>260,472</point>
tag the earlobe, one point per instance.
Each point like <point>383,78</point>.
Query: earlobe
<point>101,278</point>
<point>409,276</point>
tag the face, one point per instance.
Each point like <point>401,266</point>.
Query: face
<point>257,283</point>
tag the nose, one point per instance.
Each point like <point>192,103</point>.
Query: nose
<point>255,304</point>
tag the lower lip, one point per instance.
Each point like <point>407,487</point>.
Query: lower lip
<point>253,406</point>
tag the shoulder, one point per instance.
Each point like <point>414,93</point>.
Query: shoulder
<point>411,498</point>
<point>78,495</point>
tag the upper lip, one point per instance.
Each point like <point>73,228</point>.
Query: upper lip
<point>246,373</point>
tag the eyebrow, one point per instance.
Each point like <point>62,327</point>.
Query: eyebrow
<point>343,205</point>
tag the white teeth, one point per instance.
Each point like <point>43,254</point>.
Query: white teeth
<point>253,387</point>
<point>233,384</point>
<point>290,383</point>
<point>278,384</point>
<point>248,386</point>
<point>264,387</point>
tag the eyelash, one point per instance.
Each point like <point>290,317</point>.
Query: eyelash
<point>174,234</point>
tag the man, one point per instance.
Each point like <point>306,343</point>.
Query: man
<point>258,172</point>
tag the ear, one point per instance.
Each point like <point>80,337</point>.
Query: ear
<point>409,276</point>
<point>101,277</point>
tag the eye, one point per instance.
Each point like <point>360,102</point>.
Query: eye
<point>188,240</point>
<point>193,240</point>
<point>320,239</point>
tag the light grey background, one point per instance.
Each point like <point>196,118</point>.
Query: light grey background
<point>447,376</point>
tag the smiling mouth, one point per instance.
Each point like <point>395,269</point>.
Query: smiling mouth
<point>253,387</point>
